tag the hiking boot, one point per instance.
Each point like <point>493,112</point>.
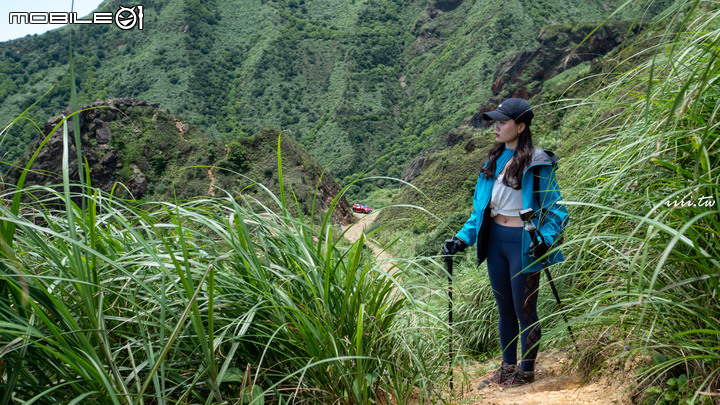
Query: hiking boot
<point>499,377</point>
<point>518,376</point>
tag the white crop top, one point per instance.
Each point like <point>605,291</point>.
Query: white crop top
<point>505,200</point>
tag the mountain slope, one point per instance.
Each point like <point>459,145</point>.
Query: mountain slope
<point>136,150</point>
<point>352,81</point>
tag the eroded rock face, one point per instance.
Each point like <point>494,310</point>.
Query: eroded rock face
<point>558,51</point>
<point>103,159</point>
<point>416,167</point>
<point>102,132</point>
<point>522,75</point>
<point>326,192</point>
<point>138,183</point>
<point>458,135</point>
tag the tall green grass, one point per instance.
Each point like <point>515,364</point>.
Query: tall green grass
<point>213,301</point>
<point>209,301</point>
<point>645,269</point>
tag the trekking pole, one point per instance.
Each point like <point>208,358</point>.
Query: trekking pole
<point>449,261</point>
<point>526,216</point>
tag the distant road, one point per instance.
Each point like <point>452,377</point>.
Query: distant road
<point>364,221</point>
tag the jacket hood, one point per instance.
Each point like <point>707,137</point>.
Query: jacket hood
<point>543,157</point>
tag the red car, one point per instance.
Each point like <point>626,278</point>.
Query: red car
<point>361,208</point>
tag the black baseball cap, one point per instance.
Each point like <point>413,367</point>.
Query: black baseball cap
<point>513,108</point>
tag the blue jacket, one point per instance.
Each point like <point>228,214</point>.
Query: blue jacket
<point>555,217</point>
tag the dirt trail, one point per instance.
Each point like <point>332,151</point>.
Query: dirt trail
<point>555,381</point>
<point>358,228</point>
<point>211,190</point>
<point>181,127</point>
<point>555,384</point>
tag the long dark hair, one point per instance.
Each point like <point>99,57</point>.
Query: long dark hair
<point>523,156</point>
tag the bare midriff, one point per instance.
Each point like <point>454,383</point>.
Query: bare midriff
<point>511,221</point>
<point>506,220</point>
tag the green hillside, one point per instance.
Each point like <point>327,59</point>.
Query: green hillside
<point>135,150</point>
<point>352,81</point>
<point>246,300</point>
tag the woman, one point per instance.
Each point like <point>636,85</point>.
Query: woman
<point>505,187</point>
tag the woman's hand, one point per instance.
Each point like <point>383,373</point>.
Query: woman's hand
<point>540,249</point>
<point>453,245</point>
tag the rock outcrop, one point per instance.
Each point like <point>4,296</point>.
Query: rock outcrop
<point>101,156</point>
<point>561,47</point>
<point>136,150</point>
<point>416,167</point>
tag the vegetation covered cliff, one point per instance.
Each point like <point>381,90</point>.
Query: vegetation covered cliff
<point>351,81</point>
<point>135,150</point>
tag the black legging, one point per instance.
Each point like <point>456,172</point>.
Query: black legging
<point>516,295</point>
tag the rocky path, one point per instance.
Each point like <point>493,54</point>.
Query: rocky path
<point>556,383</point>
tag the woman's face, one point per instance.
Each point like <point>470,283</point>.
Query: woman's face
<point>507,132</point>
